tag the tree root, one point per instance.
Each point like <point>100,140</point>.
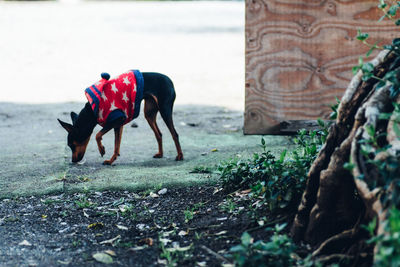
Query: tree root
<point>337,199</point>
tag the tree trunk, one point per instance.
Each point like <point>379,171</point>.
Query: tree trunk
<point>337,201</point>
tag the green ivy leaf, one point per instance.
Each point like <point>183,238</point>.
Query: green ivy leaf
<point>355,69</point>
<point>396,42</point>
<point>393,10</point>
<point>246,239</point>
<point>362,36</point>
<point>396,129</point>
<point>367,67</point>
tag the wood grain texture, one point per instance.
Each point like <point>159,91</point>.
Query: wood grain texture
<point>299,55</point>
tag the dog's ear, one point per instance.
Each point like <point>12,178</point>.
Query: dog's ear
<point>66,126</point>
<point>74,117</point>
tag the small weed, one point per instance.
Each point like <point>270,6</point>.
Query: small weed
<point>84,203</point>
<point>229,205</point>
<point>84,179</point>
<point>76,243</point>
<point>189,214</point>
<point>198,236</point>
<point>202,169</point>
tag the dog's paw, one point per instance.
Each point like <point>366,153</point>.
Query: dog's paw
<point>107,162</point>
<point>158,156</point>
<point>179,157</point>
<point>102,150</point>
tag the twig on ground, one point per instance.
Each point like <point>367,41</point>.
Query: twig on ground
<point>215,254</point>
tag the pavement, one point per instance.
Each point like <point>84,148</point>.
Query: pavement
<point>35,158</point>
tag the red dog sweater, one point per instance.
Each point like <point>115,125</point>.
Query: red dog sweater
<point>116,98</point>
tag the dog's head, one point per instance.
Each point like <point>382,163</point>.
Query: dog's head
<point>74,140</point>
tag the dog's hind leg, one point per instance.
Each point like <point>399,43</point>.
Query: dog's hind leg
<point>166,114</point>
<point>150,113</point>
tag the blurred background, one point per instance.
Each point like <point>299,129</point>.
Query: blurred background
<point>50,51</point>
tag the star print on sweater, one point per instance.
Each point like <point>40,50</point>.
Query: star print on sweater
<point>117,97</point>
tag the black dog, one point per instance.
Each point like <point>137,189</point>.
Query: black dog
<point>159,95</point>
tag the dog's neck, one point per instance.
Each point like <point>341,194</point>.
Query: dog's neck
<point>85,123</point>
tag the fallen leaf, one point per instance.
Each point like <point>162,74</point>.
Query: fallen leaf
<point>245,191</point>
<point>123,208</point>
<point>163,262</point>
<point>178,248</point>
<point>182,233</point>
<point>110,252</point>
<point>214,150</point>
<point>67,262</point>
<point>217,190</point>
<point>102,257</point>
<point>25,243</point>
<point>85,214</point>
<point>164,240</point>
<point>96,225</point>
<point>110,241</point>
<point>44,216</point>
<point>162,191</point>
<point>148,241</point>
<point>137,248</point>
<point>153,195</point>
<point>140,226</point>
<point>121,227</point>
<point>221,233</point>
<point>165,234</point>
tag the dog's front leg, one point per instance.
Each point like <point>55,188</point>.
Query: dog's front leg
<point>99,137</point>
<point>117,144</point>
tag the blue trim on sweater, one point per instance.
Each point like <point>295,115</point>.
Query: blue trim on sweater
<point>97,90</point>
<point>95,100</point>
<point>115,114</point>
<point>139,92</point>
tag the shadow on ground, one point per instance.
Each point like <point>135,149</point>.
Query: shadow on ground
<point>36,160</point>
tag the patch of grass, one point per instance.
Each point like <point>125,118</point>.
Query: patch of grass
<point>202,169</point>
<point>84,203</point>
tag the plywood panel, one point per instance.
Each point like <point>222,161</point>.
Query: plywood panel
<point>299,55</point>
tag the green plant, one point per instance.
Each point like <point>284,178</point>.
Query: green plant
<point>189,214</point>
<point>229,205</point>
<point>76,243</point>
<point>388,245</point>
<point>334,107</point>
<point>84,203</point>
<point>278,251</point>
<point>173,254</point>
<point>198,236</point>
<point>280,181</point>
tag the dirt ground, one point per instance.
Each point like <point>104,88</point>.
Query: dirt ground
<point>187,226</point>
<point>54,213</point>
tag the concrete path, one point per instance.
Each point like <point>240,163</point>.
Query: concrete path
<point>35,159</point>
